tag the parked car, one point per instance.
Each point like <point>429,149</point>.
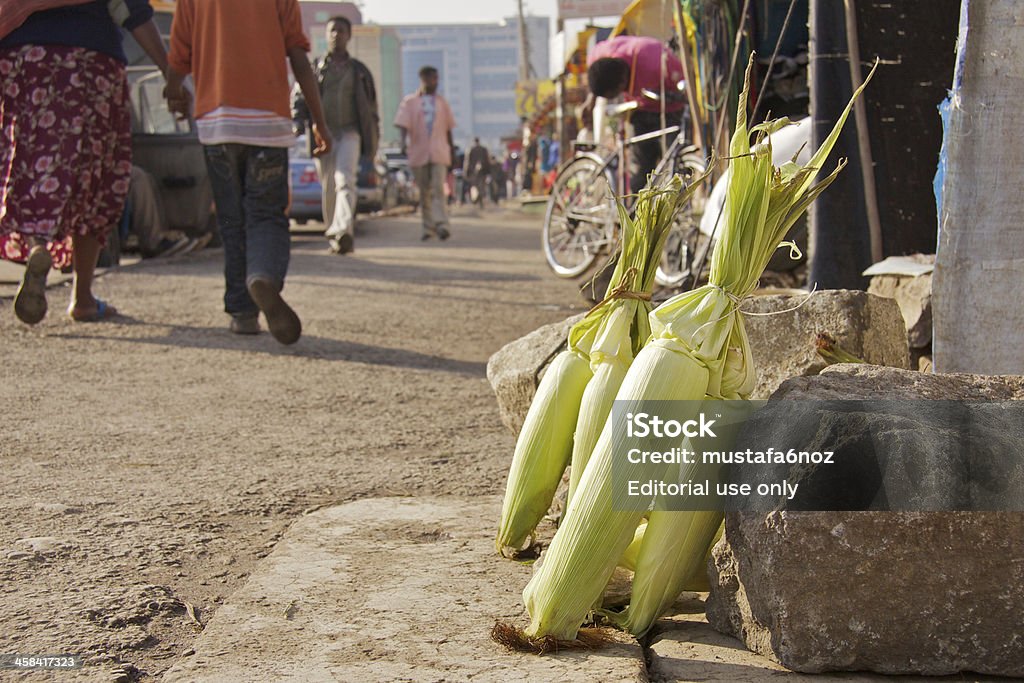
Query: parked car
<point>305,185</point>
<point>167,149</point>
<point>369,185</point>
<point>400,188</point>
<point>306,190</point>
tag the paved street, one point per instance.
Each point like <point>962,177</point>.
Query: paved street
<point>150,462</point>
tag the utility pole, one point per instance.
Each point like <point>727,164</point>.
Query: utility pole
<point>525,69</point>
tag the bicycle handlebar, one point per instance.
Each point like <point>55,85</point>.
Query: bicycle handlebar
<point>619,109</point>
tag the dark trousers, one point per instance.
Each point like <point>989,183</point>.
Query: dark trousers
<point>644,156</point>
<point>250,189</point>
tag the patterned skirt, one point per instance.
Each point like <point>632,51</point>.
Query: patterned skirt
<point>65,148</point>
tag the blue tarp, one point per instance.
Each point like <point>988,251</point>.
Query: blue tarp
<point>946,106</point>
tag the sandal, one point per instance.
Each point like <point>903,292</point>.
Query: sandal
<point>103,311</point>
<point>30,301</point>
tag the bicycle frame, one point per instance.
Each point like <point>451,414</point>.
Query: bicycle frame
<point>619,154</point>
<point>585,229</point>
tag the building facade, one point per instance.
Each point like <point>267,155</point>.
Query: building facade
<point>380,49</point>
<point>479,65</point>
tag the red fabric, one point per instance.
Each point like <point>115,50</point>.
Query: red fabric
<point>643,55</point>
<point>65,147</point>
<point>13,13</point>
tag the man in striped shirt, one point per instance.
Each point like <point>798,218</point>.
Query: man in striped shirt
<point>235,51</point>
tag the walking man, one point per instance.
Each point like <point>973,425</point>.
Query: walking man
<point>425,123</point>
<point>629,65</point>
<point>350,107</point>
<point>235,51</point>
<point>475,171</point>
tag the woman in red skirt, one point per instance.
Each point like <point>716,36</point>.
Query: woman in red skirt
<point>65,145</point>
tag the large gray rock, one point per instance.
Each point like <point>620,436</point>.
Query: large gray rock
<point>913,294</point>
<point>893,453</point>
<point>782,335</point>
<point>685,649</point>
<point>890,592</point>
<point>515,370</point>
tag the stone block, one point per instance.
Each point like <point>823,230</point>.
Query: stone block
<point>913,294</point>
<point>783,329</point>
<point>890,592</point>
<point>515,370</point>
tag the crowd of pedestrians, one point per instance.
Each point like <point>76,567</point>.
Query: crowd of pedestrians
<point>64,81</point>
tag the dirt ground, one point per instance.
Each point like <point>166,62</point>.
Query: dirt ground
<point>149,463</point>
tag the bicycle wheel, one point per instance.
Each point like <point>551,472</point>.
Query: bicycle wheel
<point>580,216</point>
<point>684,238</point>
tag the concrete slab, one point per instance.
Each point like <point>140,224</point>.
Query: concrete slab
<point>396,589</point>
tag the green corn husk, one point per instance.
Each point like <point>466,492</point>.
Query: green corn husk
<point>697,582</point>
<point>542,450</point>
<point>700,348</point>
<point>632,554</point>
<point>667,564</point>
<point>593,536</point>
<point>621,320</point>
<point>674,551</point>
<point>573,400</point>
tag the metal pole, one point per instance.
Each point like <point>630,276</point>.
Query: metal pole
<point>524,46</point>
<point>696,116</point>
<point>867,165</point>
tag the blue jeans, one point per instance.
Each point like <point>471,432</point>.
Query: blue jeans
<point>250,189</point>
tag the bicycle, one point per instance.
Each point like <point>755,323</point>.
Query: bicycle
<point>581,220</point>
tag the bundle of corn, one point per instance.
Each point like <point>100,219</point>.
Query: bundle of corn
<point>576,393</point>
<point>620,322</point>
<point>699,349</point>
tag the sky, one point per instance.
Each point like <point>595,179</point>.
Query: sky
<point>466,12</point>
<point>450,11</point>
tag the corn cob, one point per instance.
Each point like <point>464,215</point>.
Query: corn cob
<point>542,450</point>
<point>632,554</point>
<point>624,326</point>
<point>666,563</point>
<point>593,536</point>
